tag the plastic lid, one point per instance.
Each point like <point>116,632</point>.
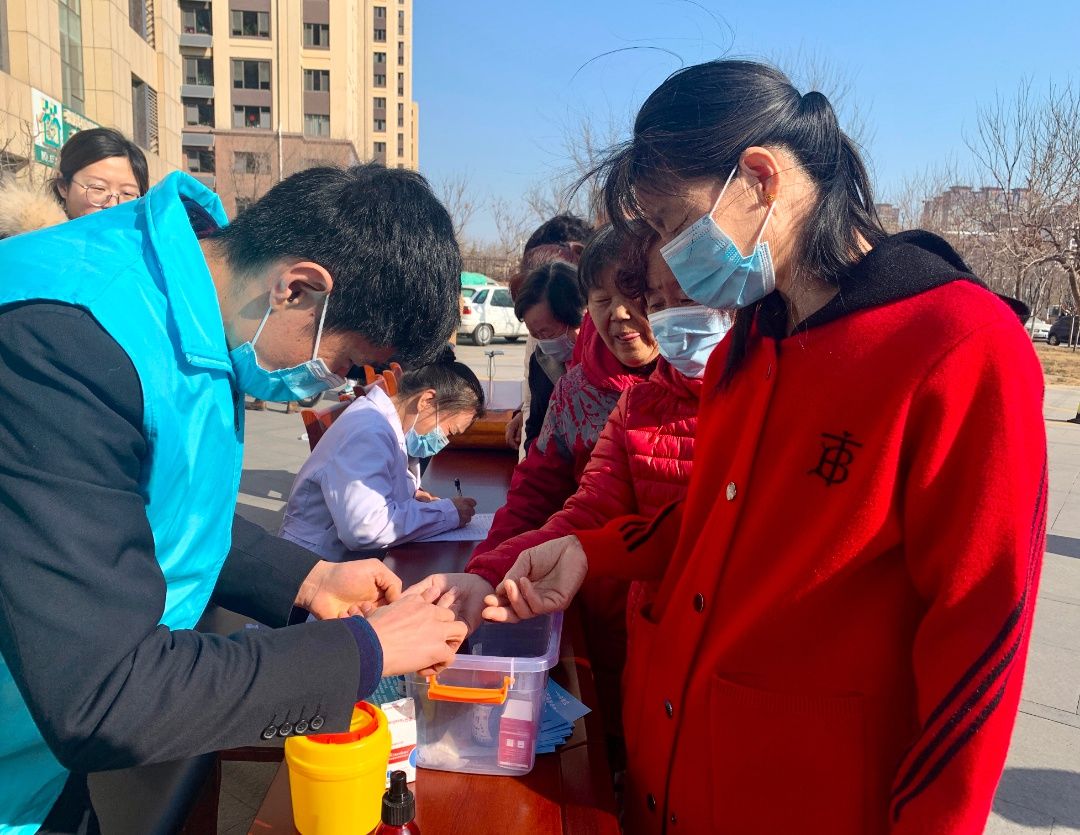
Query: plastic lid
<point>363,724</point>
<point>398,804</point>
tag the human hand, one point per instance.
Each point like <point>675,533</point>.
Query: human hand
<point>470,591</point>
<point>416,635</point>
<point>423,495</point>
<point>544,579</point>
<point>513,430</point>
<point>339,589</point>
<point>466,509</point>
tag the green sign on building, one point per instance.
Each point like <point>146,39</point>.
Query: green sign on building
<point>54,125</point>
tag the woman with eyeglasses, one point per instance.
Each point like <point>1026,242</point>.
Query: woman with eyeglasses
<point>99,168</point>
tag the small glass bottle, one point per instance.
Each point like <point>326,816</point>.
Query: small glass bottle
<point>398,808</point>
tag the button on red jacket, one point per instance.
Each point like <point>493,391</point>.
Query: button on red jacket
<point>839,638</point>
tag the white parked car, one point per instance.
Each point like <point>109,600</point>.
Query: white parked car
<point>1038,328</point>
<point>490,313</point>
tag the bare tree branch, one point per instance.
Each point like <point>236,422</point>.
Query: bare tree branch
<point>457,196</point>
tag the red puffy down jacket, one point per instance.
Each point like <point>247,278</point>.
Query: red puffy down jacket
<point>640,463</point>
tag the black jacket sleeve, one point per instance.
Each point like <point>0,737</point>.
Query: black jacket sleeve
<point>81,593</point>
<point>262,574</point>
<point>540,391</point>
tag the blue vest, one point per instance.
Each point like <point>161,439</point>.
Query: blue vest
<point>139,270</point>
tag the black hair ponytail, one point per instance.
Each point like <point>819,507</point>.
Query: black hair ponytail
<point>456,387</point>
<point>697,124</point>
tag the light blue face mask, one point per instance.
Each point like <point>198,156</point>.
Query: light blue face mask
<point>561,348</point>
<point>710,268</point>
<point>427,445</point>
<point>297,383</point>
<point>686,336</point>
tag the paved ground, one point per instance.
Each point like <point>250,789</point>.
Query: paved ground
<point>1040,790</point>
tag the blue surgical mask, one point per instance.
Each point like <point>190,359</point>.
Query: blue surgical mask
<point>561,348</point>
<point>686,336</point>
<point>710,268</point>
<point>297,383</point>
<point>427,445</point>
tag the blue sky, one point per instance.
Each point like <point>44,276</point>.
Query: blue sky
<point>498,82</point>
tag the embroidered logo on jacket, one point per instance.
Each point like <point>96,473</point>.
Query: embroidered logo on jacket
<point>836,457</point>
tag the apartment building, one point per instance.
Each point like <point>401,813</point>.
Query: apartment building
<point>70,64</point>
<point>238,92</point>
<point>271,87</point>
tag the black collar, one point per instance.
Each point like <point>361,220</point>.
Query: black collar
<point>899,267</point>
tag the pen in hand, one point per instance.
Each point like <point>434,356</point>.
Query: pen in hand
<point>457,486</point>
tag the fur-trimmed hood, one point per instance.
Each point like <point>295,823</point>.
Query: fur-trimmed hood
<point>24,208</point>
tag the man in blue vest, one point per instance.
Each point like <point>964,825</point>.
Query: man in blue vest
<point>128,339</point>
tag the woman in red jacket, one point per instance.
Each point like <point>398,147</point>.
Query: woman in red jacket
<point>838,641</point>
<point>618,353</point>
<point>642,461</point>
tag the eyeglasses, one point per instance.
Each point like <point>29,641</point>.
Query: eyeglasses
<point>99,197</point>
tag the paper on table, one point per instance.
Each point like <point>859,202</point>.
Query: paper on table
<point>476,531</point>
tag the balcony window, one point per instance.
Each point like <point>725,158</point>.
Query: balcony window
<point>317,35</point>
<point>380,79</point>
<point>196,19</point>
<point>251,75</point>
<point>316,124</point>
<point>251,116</point>
<point>380,124</point>
<point>199,71</point>
<point>198,113</point>
<point>380,34</point>
<point>250,24</point>
<point>251,162</point>
<point>317,81</point>
<point>199,161</point>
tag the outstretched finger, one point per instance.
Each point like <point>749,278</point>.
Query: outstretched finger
<point>517,602</point>
<point>448,599</point>
<point>499,614</point>
<point>530,595</point>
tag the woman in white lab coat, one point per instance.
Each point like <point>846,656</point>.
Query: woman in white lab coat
<point>360,489</point>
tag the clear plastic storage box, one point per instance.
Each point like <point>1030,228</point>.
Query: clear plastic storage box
<point>482,715</point>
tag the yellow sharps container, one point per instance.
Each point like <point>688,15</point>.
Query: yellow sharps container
<point>337,780</point>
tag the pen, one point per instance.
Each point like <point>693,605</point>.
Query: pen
<point>457,484</point>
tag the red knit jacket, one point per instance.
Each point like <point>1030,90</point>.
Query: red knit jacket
<point>579,408</point>
<point>839,639</point>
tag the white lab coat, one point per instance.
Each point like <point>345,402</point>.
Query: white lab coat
<point>357,489</point>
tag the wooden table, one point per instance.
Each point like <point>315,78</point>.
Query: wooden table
<point>566,792</point>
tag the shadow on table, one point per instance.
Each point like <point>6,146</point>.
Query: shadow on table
<point>1065,546</point>
<point>1056,793</point>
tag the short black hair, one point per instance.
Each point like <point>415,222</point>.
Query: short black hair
<point>93,145</point>
<point>624,249</point>
<point>456,387</point>
<point>383,236</point>
<point>555,283</point>
<point>561,230</point>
